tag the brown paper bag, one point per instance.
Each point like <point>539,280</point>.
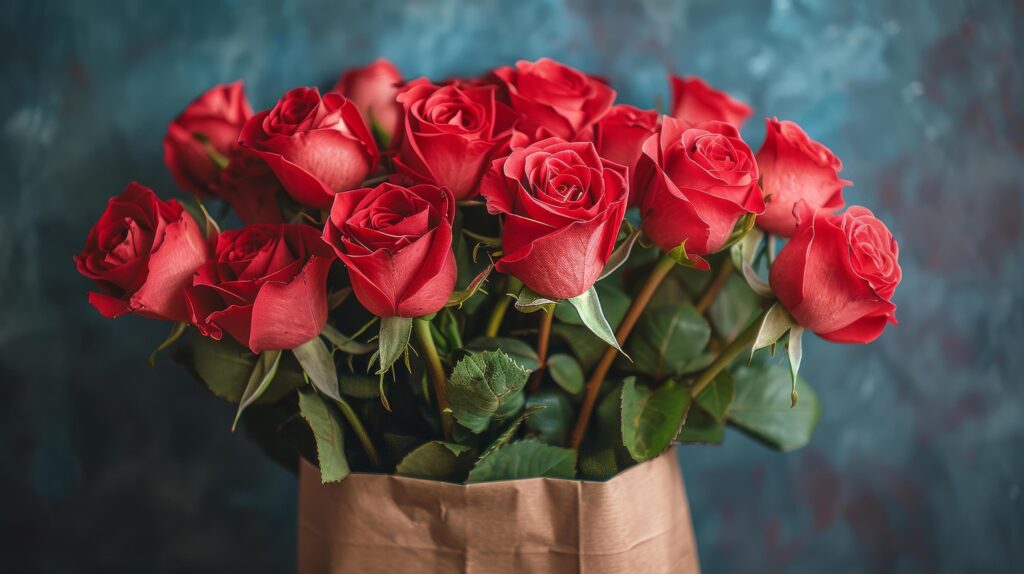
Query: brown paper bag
<point>637,522</point>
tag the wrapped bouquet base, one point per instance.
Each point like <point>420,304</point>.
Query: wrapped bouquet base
<point>638,521</point>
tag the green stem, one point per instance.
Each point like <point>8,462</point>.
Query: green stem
<point>436,372</point>
<point>498,313</point>
<point>357,425</point>
<point>741,342</point>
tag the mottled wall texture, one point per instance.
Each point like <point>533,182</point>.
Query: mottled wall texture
<point>917,465</point>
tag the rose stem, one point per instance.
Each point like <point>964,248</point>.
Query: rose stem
<point>498,313</point>
<point>364,438</point>
<point>659,272</point>
<point>741,342</point>
<point>436,371</point>
<point>547,317</point>
<point>711,293</point>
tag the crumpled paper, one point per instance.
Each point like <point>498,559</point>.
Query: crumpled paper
<point>637,522</point>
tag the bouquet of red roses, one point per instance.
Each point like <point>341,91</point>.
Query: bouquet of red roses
<point>497,277</point>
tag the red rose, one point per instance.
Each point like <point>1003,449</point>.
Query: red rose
<point>397,245</point>
<point>621,133</point>
<point>316,146</point>
<point>562,207</point>
<point>266,287</point>
<point>373,89</point>
<point>451,134</point>
<point>694,184</point>
<point>141,254</point>
<point>250,188</point>
<point>554,100</point>
<point>693,100</point>
<point>217,117</point>
<point>838,273</point>
<point>796,168</point>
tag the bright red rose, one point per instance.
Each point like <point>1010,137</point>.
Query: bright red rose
<point>693,184</point>
<point>373,89</point>
<point>621,133</point>
<point>397,244</point>
<point>796,168</point>
<point>266,286</point>
<point>694,101</point>
<point>316,146</point>
<point>451,134</point>
<point>836,276</point>
<point>554,100</point>
<point>216,117</point>
<point>562,206</point>
<point>141,254</point>
<point>250,188</point>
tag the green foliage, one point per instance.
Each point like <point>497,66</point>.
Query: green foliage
<point>486,386</point>
<point>325,422</point>
<point>716,398</point>
<point>763,407</point>
<point>525,459</point>
<point>262,374</point>
<point>566,372</point>
<point>668,340</point>
<point>394,340</point>
<point>519,351</point>
<point>225,367</point>
<point>588,306</point>
<point>701,428</point>
<point>651,419</point>
<point>437,460</point>
<point>550,424</point>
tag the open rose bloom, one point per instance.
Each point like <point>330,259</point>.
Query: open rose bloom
<point>435,283</point>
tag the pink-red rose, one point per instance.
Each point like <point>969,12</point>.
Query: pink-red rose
<point>265,286</point>
<point>621,133</point>
<point>397,244</point>
<point>450,134</point>
<point>796,168</point>
<point>213,119</point>
<point>250,188</point>
<point>562,207</point>
<point>373,89</point>
<point>554,100</point>
<point>694,101</point>
<point>141,254</point>
<point>836,276</point>
<point>315,146</point>
<point>694,183</point>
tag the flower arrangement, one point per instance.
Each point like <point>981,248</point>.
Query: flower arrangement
<point>494,278</point>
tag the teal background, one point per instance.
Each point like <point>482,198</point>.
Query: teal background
<point>917,464</point>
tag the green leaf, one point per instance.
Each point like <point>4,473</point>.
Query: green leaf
<point>717,396</point>
<point>359,386</point>
<point>668,338</point>
<point>525,459</point>
<point>484,386</point>
<point>176,332</point>
<point>774,325</point>
<point>318,364</point>
<point>566,372</point>
<point>744,225</point>
<point>325,423</point>
<point>652,419</point>
<point>437,460</point>
<point>262,374</point>
<point>602,454</point>
<point>734,308</point>
<point>763,407</point>
<point>614,301</point>
<point>742,254</point>
<point>346,344</point>
<point>393,341</point>
<point>509,433</point>
<point>587,348</point>
<point>225,366</point>
<point>459,297</point>
<point>529,302</point>
<point>620,255</point>
<point>796,353</point>
<point>701,428</point>
<point>588,305</point>
<point>520,352</point>
<point>551,424</point>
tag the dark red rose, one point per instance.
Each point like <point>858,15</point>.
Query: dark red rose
<point>266,287</point>
<point>554,100</point>
<point>836,276</point>
<point>621,133</point>
<point>216,117</point>
<point>250,188</point>
<point>373,89</point>
<point>315,146</point>
<point>141,254</point>
<point>796,168</point>
<point>397,244</point>
<point>694,183</point>
<point>694,101</point>
<point>562,207</point>
<point>451,134</point>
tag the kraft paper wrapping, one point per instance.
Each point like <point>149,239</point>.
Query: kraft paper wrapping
<point>637,522</point>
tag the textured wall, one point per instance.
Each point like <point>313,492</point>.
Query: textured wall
<point>917,463</point>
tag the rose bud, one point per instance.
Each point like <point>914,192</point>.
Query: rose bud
<point>621,133</point>
<point>693,186</point>
<point>316,146</point>
<point>250,188</point>
<point>562,206</point>
<point>554,100</point>
<point>796,168</point>
<point>373,89</point>
<point>836,276</point>
<point>209,126</point>
<point>141,254</point>
<point>694,101</point>
<point>397,244</point>
<point>451,134</point>
<point>266,286</point>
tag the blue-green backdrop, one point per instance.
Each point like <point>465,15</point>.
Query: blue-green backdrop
<point>917,464</point>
